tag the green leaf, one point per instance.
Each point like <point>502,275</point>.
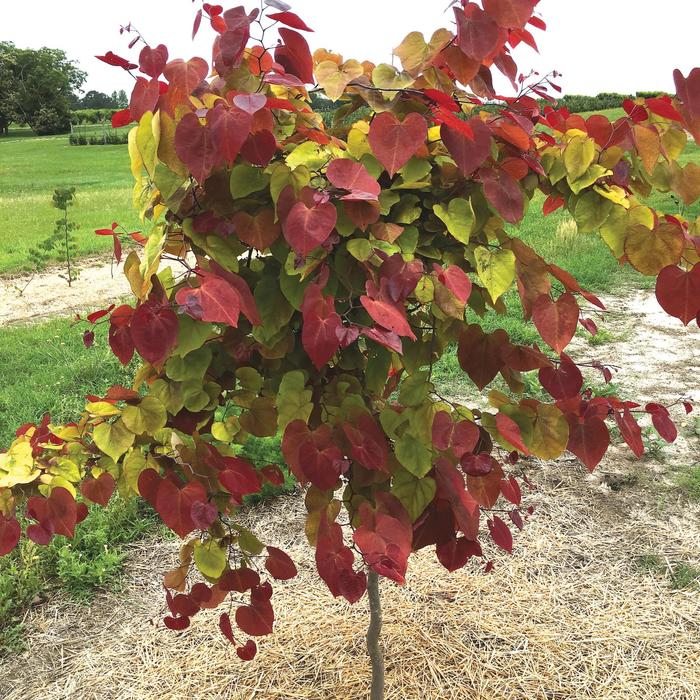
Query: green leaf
<point>578,156</point>
<point>148,417</point>
<point>210,558</point>
<point>293,399</point>
<point>415,494</point>
<point>246,179</point>
<point>134,463</point>
<point>414,455</point>
<point>248,542</point>
<point>191,334</point>
<point>458,216</point>
<point>114,439</point>
<point>496,270</point>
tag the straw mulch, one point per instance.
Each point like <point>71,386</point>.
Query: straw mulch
<point>570,615</point>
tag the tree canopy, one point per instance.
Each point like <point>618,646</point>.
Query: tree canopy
<point>37,87</point>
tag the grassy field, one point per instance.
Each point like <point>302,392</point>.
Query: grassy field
<point>32,167</point>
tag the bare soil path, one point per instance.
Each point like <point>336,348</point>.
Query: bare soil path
<point>572,615</point>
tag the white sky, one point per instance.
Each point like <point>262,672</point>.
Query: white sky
<point>598,45</point>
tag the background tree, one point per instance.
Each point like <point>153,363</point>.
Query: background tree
<point>323,273</point>
<point>94,99</point>
<point>37,87</point>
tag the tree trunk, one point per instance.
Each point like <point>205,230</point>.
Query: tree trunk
<point>375,652</point>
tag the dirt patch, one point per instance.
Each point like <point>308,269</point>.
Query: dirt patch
<point>32,298</point>
<point>571,615</point>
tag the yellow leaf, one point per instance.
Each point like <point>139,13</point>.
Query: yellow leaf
<point>550,433</point>
<point>148,417</point>
<point>649,251</point>
<point>648,144</point>
<point>579,156</point>
<point>102,408</point>
<point>17,465</point>
<point>496,270</point>
<point>114,439</point>
<point>334,78</point>
<point>458,216</point>
<point>390,80</point>
<point>210,558</point>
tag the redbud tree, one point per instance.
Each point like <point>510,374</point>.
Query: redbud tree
<point>317,272</point>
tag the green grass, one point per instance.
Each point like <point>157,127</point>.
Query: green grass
<point>30,170</point>
<point>46,368</point>
<point>79,567</point>
<point>688,481</point>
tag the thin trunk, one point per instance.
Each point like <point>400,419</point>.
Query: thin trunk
<point>374,630</point>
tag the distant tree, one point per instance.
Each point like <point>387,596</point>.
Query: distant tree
<point>37,87</point>
<point>119,99</point>
<point>94,99</point>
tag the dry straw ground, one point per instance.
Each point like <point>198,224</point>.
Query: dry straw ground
<point>571,615</point>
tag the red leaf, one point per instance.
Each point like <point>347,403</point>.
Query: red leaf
<point>395,142</point>
<point>225,627</point>
<point>465,438</point>
<point>10,532</point>
<point>455,553</point>
<point>194,145</point>
<point>255,620</point>
<point>99,490</point>
<point>456,280</point>
<point>503,193</point>
<point>306,228</point>
<point>280,565</point>
<point>389,316</point>
<point>319,334</point>
<point>154,329</point>
<point>469,154</point>
<point>661,419</point>
<point>239,580</point>
<point>144,97</point>
<point>204,514</point>
<point>510,13</point>
<point>88,338</point>
<point>630,430</point>
<point>500,533</point>
<point>121,118</point>
<point>248,651</point>
<point>291,20</point>
<point>228,130</point>
<point>312,456</point>
<point>175,505</point>
<point>247,301</point>
<point>196,24</point>
<point>511,490</point>
<point>259,148</point>
<point>294,55</point>
<point>177,623</point>
<point>57,514</point>
<point>477,34</point>
<point>112,59</point>
<point>259,231</point>
<point>334,561</point>
<point>551,204</point>
<point>239,478</point>
<point>678,292</point>
<point>385,536</point>
<point>346,174</point>
<point>250,102</point>
<point>153,61</point>
<point>563,382</point>
<point>451,488</point>
<point>214,301</point>
<point>273,474</point>
<point>186,75</point>
<point>664,108</point>
<point>368,444</point>
<point>479,353</point>
<point>510,431</point>
<point>556,321</point>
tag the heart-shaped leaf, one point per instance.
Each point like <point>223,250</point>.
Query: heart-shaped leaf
<point>306,228</point>
<point>154,329</point>
<point>152,61</point>
<point>395,142</point>
<point>556,321</point>
<point>259,231</point>
<point>468,153</point>
<point>678,292</point>
<point>99,490</point>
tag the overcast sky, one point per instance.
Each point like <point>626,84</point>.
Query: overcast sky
<point>598,45</point>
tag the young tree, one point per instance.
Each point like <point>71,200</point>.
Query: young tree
<point>324,272</point>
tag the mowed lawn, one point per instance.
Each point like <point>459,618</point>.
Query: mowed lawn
<point>32,167</point>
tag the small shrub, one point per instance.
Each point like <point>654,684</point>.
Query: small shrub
<point>49,121</point>
<point>567,232</point>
